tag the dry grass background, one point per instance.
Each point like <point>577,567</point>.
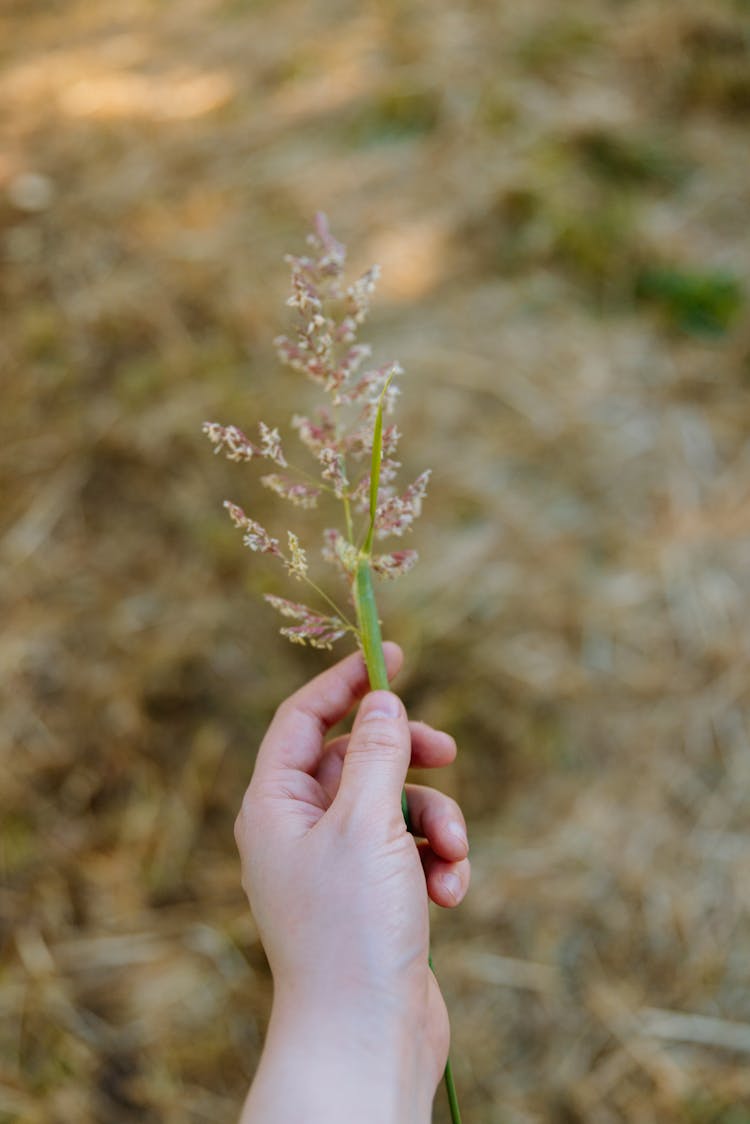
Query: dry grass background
<point>558,195</point>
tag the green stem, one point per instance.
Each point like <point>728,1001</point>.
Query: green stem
<point>450,1088</point>
<point>348,516</point>
<point>372,647</point>
<point>372,641</point>
<point>369,626</point>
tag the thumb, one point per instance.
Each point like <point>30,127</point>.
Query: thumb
<point>377,756</point>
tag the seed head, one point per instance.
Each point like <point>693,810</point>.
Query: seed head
<point>297,563</point>
<point>333,470</point>
<point>393,565</point>
<point>339,435</point>
<point>255,537</point>
<point>340,552</point>
<point>231,439</point>
<point>301,495</point>
<point>271,444</point>
<point>316,434</point>
<point>398,513</point>
<point>313,628</point>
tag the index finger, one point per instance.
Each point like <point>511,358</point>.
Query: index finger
<point>295,738</point>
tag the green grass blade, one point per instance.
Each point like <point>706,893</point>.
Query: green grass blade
<point>377,457</point>
<point>369,626</point>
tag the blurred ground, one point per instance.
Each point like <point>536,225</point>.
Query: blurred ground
<point>558,196</point>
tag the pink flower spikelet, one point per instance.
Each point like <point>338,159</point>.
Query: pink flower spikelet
<point>256,537</point>
<point>232,440</point>
<point>238,447</point>
<point>301,495</point>
<point>394,565</point>
<point>314,629</point>
<point>397,513</point>
<point>338,435</point>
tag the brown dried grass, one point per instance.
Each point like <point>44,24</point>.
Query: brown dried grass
<point>579,619</point>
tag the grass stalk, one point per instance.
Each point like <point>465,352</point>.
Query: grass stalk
<point>372,647</point>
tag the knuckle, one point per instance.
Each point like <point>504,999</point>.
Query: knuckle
<point>441,812</point>
<point>453,810</point>
<point>285,707</point>
<point>376,740</point>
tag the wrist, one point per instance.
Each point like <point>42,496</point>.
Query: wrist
<point>340,1062</point>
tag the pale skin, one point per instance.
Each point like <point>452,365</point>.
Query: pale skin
<point>339,890</point>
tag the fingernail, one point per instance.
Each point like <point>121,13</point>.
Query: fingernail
<point>457,831</point>
<point>380,704</point>
<point>452,885</point>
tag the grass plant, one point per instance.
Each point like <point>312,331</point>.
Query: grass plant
<point>355,454</point>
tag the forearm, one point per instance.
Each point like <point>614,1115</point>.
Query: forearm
<point>327,1068</point>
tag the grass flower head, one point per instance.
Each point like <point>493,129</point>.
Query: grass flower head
<point>351,446</point>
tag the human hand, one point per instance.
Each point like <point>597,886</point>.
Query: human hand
<point>337,888</point>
